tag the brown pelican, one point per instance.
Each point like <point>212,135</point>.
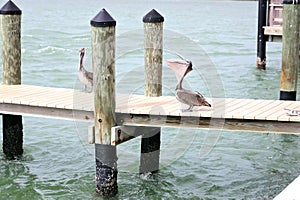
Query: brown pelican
<point>84,76</point>
<point>189,97</point>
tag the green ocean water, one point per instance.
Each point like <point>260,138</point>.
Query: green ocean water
<point>218,36</point>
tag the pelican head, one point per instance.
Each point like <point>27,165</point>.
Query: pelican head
<point>82,52</point>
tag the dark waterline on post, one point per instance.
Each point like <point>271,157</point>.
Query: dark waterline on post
<point>106,170</point>
<point>12,136</point>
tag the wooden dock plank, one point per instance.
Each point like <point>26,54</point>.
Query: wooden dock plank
<point>173,106</point>
<point>122,98</point>
<point>43,98</point>
<point>83,102</point>
<point>9,93</point>
<point>241,111</point>
<point>283,116</point>
<point>27,95</point>
<point>130,105</point>
<point>237,104</point>
<point>165,110</point>
<point>273,30</point>
<point>258,107</point>
<point>220,105</point>
<point>261,108</point>
<point>275,112</point>
<point>269,109</point>
<point>175,109</point>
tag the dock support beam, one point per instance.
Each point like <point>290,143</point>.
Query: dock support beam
<point>11,75</point>
<point>261,38</point>
<point>290,50</point>
<point>103,58</point>
<point>153,44</point>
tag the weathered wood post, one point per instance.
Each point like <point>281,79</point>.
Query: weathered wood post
<point>153,44</point>
<point>11,75</point>
<point>261,38</point>
<point>290,50</point>
<point>103,58</point>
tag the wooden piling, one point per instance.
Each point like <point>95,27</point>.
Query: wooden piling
<point>261,37</point>
<point>153,44</point>
<point>290,50</point>
<point>153,47</point>
<point>11,75</point>
<point>103,58</point>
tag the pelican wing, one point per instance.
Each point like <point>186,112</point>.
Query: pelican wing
<point>188,97</point>
<point>191,98</point>
<point>89,75</point>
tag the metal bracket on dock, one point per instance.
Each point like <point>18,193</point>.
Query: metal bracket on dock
<point>119,134</point>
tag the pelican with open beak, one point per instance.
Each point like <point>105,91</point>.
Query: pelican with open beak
<point>189,97</point>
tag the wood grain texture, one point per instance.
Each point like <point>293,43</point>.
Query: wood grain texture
<point>11,49</point>
<point>103,53</point>
<point>153,44</point>
<point>290,48</point>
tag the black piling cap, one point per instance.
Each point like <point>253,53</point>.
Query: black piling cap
<point>103,19</point>
<point>153,17</point>
<point>10,9</point>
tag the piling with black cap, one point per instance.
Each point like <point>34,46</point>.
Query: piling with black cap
<point>153,51</point>
<point>290,50</point>
<point>103,58</point>
<point>11,75</point>
<point>261,37</point>
<point>153,54</point>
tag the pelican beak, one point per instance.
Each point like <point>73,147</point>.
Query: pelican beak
<point>180,67</point>
<point>207,104</point>
<point>82,50</point>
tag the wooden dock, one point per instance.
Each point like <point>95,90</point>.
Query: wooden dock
<point>139,110</point>
<point>113,115</point>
